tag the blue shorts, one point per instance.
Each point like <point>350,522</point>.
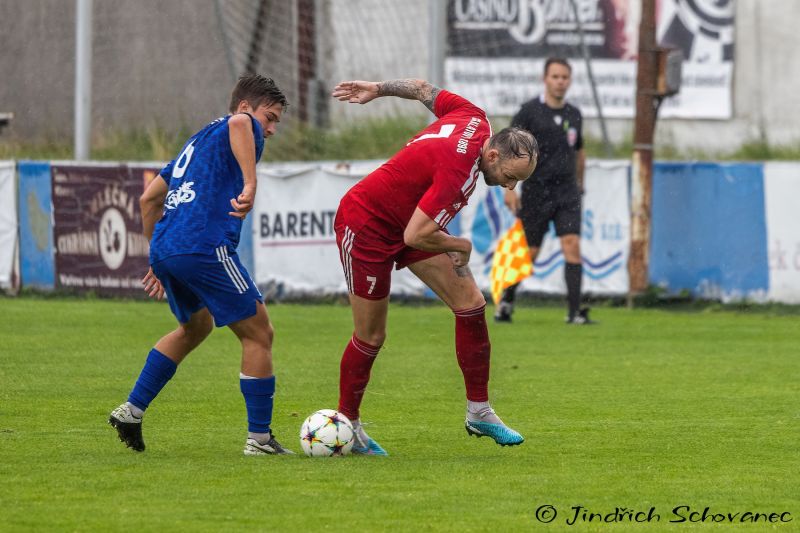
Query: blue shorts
<point>217,281</point>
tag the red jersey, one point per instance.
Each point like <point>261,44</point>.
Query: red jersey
<point>436,171</point>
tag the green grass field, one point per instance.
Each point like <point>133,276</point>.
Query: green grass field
<point>652,408</point>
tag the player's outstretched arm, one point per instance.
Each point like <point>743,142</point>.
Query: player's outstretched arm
<point>361,92</point>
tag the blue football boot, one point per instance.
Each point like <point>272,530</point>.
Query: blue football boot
<point>488,424</point>
<point>363,444</point>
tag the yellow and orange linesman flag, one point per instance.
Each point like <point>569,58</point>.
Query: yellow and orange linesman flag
<point>512,261</point>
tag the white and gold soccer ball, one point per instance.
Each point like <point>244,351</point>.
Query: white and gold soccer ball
<point>326,433</point>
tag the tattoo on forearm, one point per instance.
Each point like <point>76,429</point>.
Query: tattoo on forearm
<point>411,89</point>
<point>463,271</point>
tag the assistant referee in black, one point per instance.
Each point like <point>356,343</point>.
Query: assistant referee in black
<point>554,190</point>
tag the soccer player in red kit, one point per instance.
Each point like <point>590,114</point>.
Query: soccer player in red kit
<point>397,216</point>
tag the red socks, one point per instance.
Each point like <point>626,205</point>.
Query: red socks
<point>354,375</point>
<point>472,351</point>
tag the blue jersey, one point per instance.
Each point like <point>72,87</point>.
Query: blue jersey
<point>202,181</point>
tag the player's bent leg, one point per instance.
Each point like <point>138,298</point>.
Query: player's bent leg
<point>473,348</point>
<point>257,383</point>
<point>178,343</point>
<point>159,368</point>
<point>369,319</point>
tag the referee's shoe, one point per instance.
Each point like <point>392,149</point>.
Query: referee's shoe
<point>581,318</point>
<point>504,312</point>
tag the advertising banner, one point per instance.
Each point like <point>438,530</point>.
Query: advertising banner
<point>293,239</point>
<point>8,224</point>
<point>605,235</point>
<point>781,190</point>
<point>37,263</point>
<point>709,230</point>
<point>497,51</point>
<point>295,245</point>
<point>98,229</point>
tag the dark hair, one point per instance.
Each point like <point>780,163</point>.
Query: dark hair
<point>514,143</point>
<point>556,61</point>
<point>256,90</point>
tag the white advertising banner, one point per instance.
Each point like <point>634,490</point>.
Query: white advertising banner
<point>295,245</point>
<point>8,223</point>
<point>783,232</point>
<point>605,235</point>
<point>501,86</point>
<point>497,52</point>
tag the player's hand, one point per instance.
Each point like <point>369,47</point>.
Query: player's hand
<point>356,92</point>
<point>460,262</point>
<point>512,201</point>
<point>243,203</point>
<point>152,286</point>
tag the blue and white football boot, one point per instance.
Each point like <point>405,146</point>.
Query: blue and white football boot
<point>488,424</point>
<point>363,444</point>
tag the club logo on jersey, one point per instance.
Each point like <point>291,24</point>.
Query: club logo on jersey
<point>182,195</point>
<point>572,136</point>
<point>557,119</point>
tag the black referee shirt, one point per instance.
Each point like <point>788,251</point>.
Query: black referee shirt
<point>559,134</point>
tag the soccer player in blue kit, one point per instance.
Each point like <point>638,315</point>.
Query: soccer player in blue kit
<point>192,213</point>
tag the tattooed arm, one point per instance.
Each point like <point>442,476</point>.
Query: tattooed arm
<point>361,92</point>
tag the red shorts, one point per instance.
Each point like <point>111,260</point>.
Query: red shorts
<point>368,256</point>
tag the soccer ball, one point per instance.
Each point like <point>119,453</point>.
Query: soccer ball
<point>325,433</point>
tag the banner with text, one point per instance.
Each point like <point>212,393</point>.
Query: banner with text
<point>781,190</point>
<point>497,52</point>
<point>97,228</point>
<point>605,235</point>
<point>296,252</point>
<point>293,239</point>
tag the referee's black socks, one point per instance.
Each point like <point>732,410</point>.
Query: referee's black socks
<point>573,274</point>
<point>510,294</point>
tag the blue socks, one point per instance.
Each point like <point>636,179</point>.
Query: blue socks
<point>258,393</point>
<point>157,371</point>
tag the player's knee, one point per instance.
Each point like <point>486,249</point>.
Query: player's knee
<point>269,334</point>
<point>477,300</point>
<point>471,300</point>
<point>375,338</point>
<point>196,331</point>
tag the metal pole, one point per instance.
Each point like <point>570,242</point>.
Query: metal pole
<point>595,95</point>
<point>642,163</point>
<point>437,33</point>
<point>83,79</point>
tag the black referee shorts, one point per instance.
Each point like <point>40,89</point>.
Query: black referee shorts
<point>559,202</point>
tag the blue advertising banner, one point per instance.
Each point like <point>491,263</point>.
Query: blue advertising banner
<point>37,263</point>
<point>709,232</point>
